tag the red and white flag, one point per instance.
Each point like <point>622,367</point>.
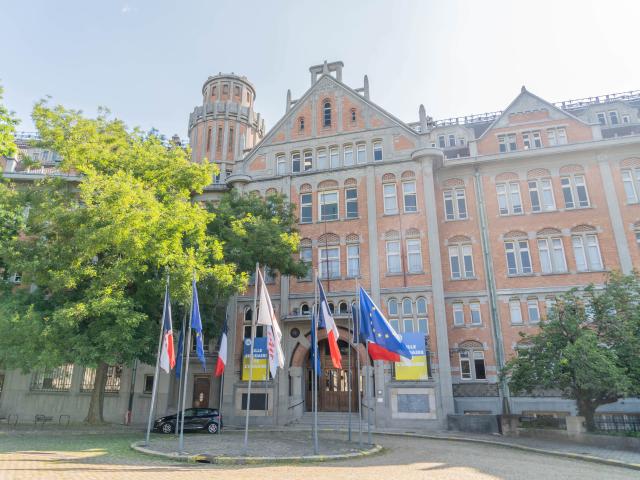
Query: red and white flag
<point>326,320</point>
<point>167,353</point>
<point>267,317</point>
<point>222,351</point>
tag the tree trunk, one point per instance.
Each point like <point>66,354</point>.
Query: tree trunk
<point>94,416</point>
<point>587,409</point>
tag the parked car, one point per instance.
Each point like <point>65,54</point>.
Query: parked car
<point>195,419</point>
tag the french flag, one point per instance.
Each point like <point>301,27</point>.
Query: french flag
<point>326,320</point>
<point>222,351</point>
<point>167,353</point>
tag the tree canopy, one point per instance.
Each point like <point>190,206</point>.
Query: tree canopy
<point>588,347</point>
<point>8,122</point>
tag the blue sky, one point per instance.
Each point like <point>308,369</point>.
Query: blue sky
<point>147,60</point>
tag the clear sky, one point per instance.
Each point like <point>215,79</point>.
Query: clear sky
<point>146,60</point>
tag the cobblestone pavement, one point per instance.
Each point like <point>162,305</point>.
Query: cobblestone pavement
<point>404,458</point>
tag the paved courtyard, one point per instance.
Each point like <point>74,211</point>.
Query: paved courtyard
<point>106,456</point>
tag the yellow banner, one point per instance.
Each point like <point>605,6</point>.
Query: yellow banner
<point>416,368</point>
<point>260,360</point>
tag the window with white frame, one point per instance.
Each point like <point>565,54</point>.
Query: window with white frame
<point>281,164</point>
<point>458,314</point>
<point>631,182</point>
<point>551,252</point>
<point>452,140</point>
<point>586,250</point>
<point>533,310</point>
<point>361,153</point>
<point>326,114</point>
<point>509,201</point>
<point>377,151</point>
<point>455,204</point>
<point>321,158</point>
<point>394,262</point>
<point>421,312</point>
<point>613,117</point>
<point>556,136</point>
<point>442,141</point>
<point>348,155</point>
<point>515,311</point>
<point>414,255</point>
<point>334,157</point>
<point>507,143</point>
<point>409,196</point>
<point>306,208</point>
<point>390,198</point>
<point>407,307</point>
<point>392,309</point>
<point>472,365</point>
<point>329,262</point>
<point>531,140</point>
<point>306,256</point>
<point>351,202</point>
<point>353,260</point>
<point>541,195</point>
<point>308,160</point>
<point>461,261</point>
<point>295,162</point>
<point>602,118</point>
<point>574,191</point>
<point>518,257</point>
<point>328,205</point>
<point>476,315</point>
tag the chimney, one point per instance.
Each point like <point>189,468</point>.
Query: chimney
<point>366,87</point>
<point>423,118</point>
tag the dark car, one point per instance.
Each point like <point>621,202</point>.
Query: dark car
<point>195,419</point>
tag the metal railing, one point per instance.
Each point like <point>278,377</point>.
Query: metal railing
<point>618,422</point>
<point>544,421</point>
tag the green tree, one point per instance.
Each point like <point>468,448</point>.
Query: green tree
<point>588,348</point>
<point>8,123</point>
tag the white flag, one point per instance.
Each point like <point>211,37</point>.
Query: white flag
<point>267,317</point>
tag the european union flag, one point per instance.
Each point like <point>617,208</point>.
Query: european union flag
<point>196,325</point>
<point>315,359</point>
<point>384,342</point>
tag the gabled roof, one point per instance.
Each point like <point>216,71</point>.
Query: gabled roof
<point>316,86</point>
<point>520,99</point>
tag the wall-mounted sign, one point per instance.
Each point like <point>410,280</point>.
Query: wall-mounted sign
<point>259,370</point>
<point>416,368</point>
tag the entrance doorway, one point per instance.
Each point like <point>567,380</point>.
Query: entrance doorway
<point>333,384</point>
<point>201,388</point>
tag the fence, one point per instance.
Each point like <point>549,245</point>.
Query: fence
<point>618,422</point>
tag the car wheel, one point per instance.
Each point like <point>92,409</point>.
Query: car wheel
<point>166,428</point>
<point>212,428</point>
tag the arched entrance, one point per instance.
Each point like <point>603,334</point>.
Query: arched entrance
<point>333,384</point>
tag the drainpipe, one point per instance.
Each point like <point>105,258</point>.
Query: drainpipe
<point>498,340</point>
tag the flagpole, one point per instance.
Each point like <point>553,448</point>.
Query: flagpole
<point>253,323</point>
<point>349,377</point>
<point>358,367</point>
<point>266,370</point>
<point>186,343</point>
<point>315,361</point>
<point>181,360</point>
<point>369,400</point>
<point>154,391</point>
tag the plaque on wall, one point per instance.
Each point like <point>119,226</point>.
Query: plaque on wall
<point>413,403</point>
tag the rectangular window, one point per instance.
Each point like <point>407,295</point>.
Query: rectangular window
<point>348,155</point>
<point>531,140</point>
<point>455,204</point>
<point>452,140</point>
<point>556,136</point>
<point>295,162</point>
<point>574,191</point>
<point>334,157</point>
<point>322,159</point>
<point>458,314</point>
<point>454,262</point>
<point>552,259</point>
<point>55,380</point>
<point>281,163</point>
<point>410,197</point>
<point>533,311</point>
<point>306,255</point>
<point>587,253</point>
<point>626,119</point>
<point>478,364</point>
<point>515,312</point>
<point>518,258</point>
<point>613,117</point>
<point>476,316</point>
<point>541,194</point>
<point>631,182</point>
<point>361,153</point>
<point>306,210</point>
<point>328,205</point>
<point>414,256</point>
<point>209,130</point>
<point>377,151</point>
<point>390,198</point>
<point>602,118</point>
<point>353,260</point>
<point>231,144</point>
<point>509,201</point>
<point>441,141</point>
<point>449,210</point>
<point>461,261</point>
<point>394,263</point>
<point>114,374</point>
<point>408,324</point>
<point>308,160</point>
<point>148,384</point>
<point>507,143</point>
<point>329,262</point>
<point>465,366</point>
<point>423,326</point>
<point>351,202</point>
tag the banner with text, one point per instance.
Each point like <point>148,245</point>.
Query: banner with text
<point>260,361</point>
<point>415,368</point>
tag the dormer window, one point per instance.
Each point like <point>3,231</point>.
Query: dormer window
<point>301,124</point>
<point>326,116</point>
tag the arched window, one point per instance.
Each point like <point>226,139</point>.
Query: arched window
<point>326,113</point>
<point>421,306</point>
<point>343,308</point>
<point>392,307</point>
<point>407,306</point>
<point>304,309</point>
<point>247,314</point>
<point>332,308</point>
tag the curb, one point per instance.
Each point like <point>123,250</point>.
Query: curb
<point>237,460</point>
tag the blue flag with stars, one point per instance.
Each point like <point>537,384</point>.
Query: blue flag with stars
<point>196,325</point>
<point>384,342</point>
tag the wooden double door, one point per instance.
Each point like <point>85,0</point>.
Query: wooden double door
<point>333,384</point>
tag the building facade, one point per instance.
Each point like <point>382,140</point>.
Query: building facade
<point>463,231</point>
